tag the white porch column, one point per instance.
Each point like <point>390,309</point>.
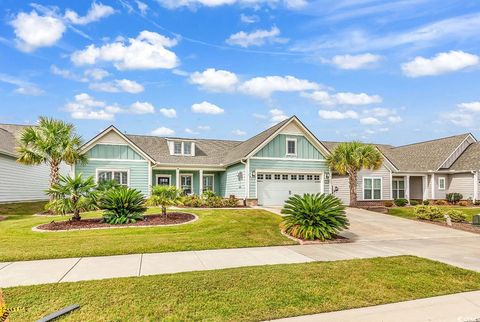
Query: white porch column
<point>424,188</point>
<point>407,188</point>
<point>475,186</point>
<point>177,178</point>
<point>432,186</point>
<point>200,182</point>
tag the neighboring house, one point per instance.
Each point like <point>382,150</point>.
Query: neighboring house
<point>420,171</point>
<point>20,182</point>
<point>266,169</point>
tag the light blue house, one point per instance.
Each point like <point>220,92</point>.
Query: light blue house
<point>266,169</point>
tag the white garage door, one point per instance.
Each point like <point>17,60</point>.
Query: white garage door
<point>274,188</point>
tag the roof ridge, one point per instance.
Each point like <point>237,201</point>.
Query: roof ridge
<point>166,138</point>
<point>432,140</point>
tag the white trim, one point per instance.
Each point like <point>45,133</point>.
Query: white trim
<point>97,170</point>
<point>288,171</point>
<point>149,179</point>
<point>117,160</point>
<point>444,183</point>
<point>475,186</point>
<point>187,175</point>
<point>200,181</point>
<point>404,187</point>
<point>247,179</point>
<point>191,167</point>
<point>159,175</point>
<point>287,159</point>
<point>213,180</point>
<point>453,152</point>
<point>381,188</point>
<point>290,139</point>
<point>391,185</point>
<point>177,178</point>
<point>432,186</point>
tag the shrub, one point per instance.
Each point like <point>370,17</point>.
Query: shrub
<point>388,203</point>
<point>441,202</point>
<point>463,203</point>
<point>314,216</point>
<point>426,202</point>
<point>231,202</point>
<point>165,196</point>
<point>413,202</point>
<point>122,205</point>
<point>477,203</point>
<point>428,213</point>
<point>193,201</point>
<point>456,215</point>
<point>401,202</point>
<point>454,197</point>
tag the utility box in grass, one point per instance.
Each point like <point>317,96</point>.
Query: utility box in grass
<point>476,220</point>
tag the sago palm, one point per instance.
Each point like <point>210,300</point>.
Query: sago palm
<point>122,205</point>
<point>72,194</point>
<point>349,158</point>
<point>51,142</point>
<point>314,216</point>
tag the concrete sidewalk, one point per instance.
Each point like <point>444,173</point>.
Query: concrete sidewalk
<point>459,307</point>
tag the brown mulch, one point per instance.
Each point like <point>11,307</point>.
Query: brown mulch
<point>3,218</point>
<point>337,240</point>
<point>149,220</point>
<point>456,225</point>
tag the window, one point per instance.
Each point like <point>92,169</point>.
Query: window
<point>120,176</point>
<point>186,183</point>
<point>284,176</point>
<point>398,188</point>
<point>187,148</point>
<point>208,184</point>
<point>163,180</point>
<point>372,188</point>
<point>268,177</point>
<point>177,147</point>
<point>291,147</point>
<point>277,177</point>
<point>301,177</point>
<point>293,177</point>
<point>260,176</point>
<point>441,183</point>
<point>316,177</point>
<point>309,177</point>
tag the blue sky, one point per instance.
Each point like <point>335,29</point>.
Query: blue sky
<point>378,71</point>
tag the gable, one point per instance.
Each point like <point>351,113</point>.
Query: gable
<point>111,137</point>
<point>277,148</point>
<point>458,152</point>
<point>113,152</point>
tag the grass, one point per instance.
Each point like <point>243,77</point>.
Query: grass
<point>213,229</point>
<point>407,212</point>
<point>248,293</point>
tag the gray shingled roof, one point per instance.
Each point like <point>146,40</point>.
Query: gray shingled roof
<point>469,159</point>
<point>9,134</point>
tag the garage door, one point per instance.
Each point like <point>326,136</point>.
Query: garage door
<point>274,188</point>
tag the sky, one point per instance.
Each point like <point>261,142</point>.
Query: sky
<point>390,72</point>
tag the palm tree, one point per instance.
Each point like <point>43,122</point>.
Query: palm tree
<point>72,194</point>
<point>165,196</point>
<point>51,142</point>
<point>351,157</point>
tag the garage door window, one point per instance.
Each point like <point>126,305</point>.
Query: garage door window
<point>309,177</point>
<point>284,176</point>
<point>372,188</point>
<point>317,178</point>
<point>268,177</point>
<point>260,177</point>
<point>293,177</point>
<point>277,177</point>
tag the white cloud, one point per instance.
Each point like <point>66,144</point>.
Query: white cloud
<point>352,62</point>
<point>295,4</point>
<point>259,116</point>
<point>441,63</point>
<point>142,108</point>
<point>258,37</point>
<point>96,12</point>
<point>190,131</point>
<point>29,90</point>
<point>86,107</point>
<point>337,115</point>
<point>277,115</point>
<point>23,87</point>
<point>249,19</point>
<point>342,98</point>
<point>33,31</point>
<point>265,86</point>
<point>174,4</point>
<point>471,106</point>
<point>215,80</point>
<point>96,73</point>
<point>143,7</point>
<point>204,128</point>
<point>370,121</point>
<point>147,51</point>
<point>207,108</point>
<point>394,119</point>
<point>168,112</point>
<point>163,131</point>
<point>239,132</point>
<point>382,115</point>
<point>118,85</point>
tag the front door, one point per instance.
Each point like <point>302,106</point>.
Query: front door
<point>186,183</point>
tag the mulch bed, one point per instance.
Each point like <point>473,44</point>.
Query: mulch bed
<point>456,225</point>
<point>338,240</point>
<point>150,220</point>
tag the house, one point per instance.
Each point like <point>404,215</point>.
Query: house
<point>20,182</point>
<point>266,169</point>
<point>283,160</point>
<point>419,171</point>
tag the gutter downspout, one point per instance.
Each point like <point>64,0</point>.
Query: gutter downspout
<point>247,180</point>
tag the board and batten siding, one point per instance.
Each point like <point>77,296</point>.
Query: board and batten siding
<point>233,180</point>
<point>20,182</point>
<point>276,148</point>
<point>462,183</point>
<point>109,151</point>
<point>288,166</point>
<point>383,173</point>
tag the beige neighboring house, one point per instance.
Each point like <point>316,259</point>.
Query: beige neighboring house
<point>419,171</point>
<point>20,182</point>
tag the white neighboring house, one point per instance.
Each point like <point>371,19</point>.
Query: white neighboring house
<point>20,182</point>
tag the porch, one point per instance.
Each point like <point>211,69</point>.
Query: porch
<point>410,187</point>
<point>190,181</point>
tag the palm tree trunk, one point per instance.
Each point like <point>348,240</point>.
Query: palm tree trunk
<point>164,211</point>
<point>352,181</point>
<point>54,175</point>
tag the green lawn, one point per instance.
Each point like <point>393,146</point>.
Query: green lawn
<point>213,229</point>
<point>407,212</point>
<point>246,294</point>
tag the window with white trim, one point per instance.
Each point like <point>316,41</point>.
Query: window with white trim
<point>187,148</point>
<point>293,177</point>
<point>183,148</point>
<point>291,146</point>
<point>284,176</point>
<point>208,184</point>
<point>442,182</point>
<point>398,188</point>
<point>301,177</point>
<point>120,176</point>
<point>163,180</point>
<point>309,177</point>
<point>186,183</point>
<point>260,176</point>
<point>177,147</point>
<point>372,188</point>
<point>277,177</point>
<point>268,177</point>
<point>316,177</point>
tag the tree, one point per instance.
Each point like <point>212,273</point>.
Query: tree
<point>349,158</point>
<point>72,194</point>
<point>51,142</point>
<point>165,196</point>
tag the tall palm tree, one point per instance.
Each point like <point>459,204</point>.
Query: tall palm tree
<point>51,142</point>
<point>349,158</point>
